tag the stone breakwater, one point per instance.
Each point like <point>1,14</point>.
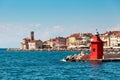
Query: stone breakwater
<point>81,57</point>
<point>78,57</point>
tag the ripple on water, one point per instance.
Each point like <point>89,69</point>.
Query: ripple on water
<point>46,66</point>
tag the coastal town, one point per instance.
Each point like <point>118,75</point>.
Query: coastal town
<point>59,39</point>
<point>77,41</point>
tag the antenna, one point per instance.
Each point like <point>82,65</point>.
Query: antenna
<point>96,30</point>
<point>97,33</point>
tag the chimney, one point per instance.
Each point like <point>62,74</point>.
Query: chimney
<point>32,35</point>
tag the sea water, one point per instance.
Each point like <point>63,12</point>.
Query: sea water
<point>46,65</point>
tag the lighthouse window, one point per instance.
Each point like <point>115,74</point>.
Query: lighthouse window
<point>93,49</point>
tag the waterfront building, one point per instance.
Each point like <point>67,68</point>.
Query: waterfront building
<point>106,39</point>
<point>31,43</point>
<point>60,43</point>
<point>49,44</point>
<point>78,41</point>
<point>24,44</point>
<point>35,44</point>
<point>111,39</point>
<point>71,42</point>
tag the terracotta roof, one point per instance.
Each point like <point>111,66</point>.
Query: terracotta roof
<point>53,39</point>
<point>78,35</point>
<point>75,35</point>
<point>27,39</point>
<point>116,33</point>
<point>90,34</point>
<point>34,40</point>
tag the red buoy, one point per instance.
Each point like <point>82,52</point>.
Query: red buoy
<point>96,48</point>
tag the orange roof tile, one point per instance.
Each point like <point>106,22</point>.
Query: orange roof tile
<point>75,35</point>
<point>34,40</point>
<point>27,39</point>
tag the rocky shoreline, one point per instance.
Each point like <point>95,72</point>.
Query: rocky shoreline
<point>81,57</point>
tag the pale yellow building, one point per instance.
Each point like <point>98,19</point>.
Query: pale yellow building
<point>78,40</point>
<point>71,42</point>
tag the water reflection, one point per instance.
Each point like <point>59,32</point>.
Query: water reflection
<point>96,63</point>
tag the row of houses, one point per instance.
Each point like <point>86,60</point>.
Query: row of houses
<point>74,41</point>
<point>55,43</point>
<point>111,39</point>
<point>79,40</point>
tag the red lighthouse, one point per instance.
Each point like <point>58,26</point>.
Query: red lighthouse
<point>96,48</point>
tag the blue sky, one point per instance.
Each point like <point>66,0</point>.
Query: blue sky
<point>51,18</point>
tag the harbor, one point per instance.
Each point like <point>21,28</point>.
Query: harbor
<point>40,64</point>
<point>96,54</point>
<point>74,42</point>
<point>59,39</point>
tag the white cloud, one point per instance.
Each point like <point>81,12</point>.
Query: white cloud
<point>12,34</point>
<point>43,35</point>
<point>49,32</point>
<point>58,28</point>
<point>37,25</point>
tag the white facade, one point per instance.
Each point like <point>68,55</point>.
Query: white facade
<point>23,46</point>
<point>111,39</point>
<point>73,42</point>
<point>35,45</point>
<point>115,41</point>
<point>31,43</point>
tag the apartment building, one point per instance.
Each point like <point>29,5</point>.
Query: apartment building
<point>78,40</point>
<point>111,39</point>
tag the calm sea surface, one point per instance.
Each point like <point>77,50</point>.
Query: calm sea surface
<point>46,65</point>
